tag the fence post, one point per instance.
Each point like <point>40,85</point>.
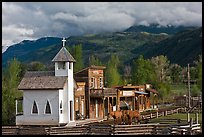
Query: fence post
<point>157,114</point>
<point>112,129</point>
<point>154,130</point>
<point>166,113</point>
<point>190,126</point>
<point>150,115</point>
<point>188,117</point>
<point>196,118</point>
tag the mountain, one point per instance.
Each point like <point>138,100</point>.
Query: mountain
<point>181,48</point>
<point>156,29</point>
<point>25,50</point>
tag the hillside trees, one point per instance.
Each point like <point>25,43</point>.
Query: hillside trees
<point>112,75</point>
<point>10,81</point>
<point>36,66</point>
<point>94,60</point>
<point>142,71</point>
<point>161,67</point>
<point>175,73</point>
<point>77,52</point>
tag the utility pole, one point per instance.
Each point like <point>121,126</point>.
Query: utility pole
<point>189,95</point>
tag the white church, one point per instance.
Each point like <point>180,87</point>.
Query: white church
<point>48,96</point>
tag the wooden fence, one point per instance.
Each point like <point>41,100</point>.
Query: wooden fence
<point>164,127</point>
<point>141,129</point>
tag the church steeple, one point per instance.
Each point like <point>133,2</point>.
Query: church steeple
<point>63,61</point>
<point>63,54</point>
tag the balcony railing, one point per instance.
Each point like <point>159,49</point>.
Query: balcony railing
<point>96,93</point>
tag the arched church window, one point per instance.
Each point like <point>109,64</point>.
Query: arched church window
<point>35,108</point>
<point>47,109</point>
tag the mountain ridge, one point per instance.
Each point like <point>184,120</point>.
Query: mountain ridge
<point>127,45</point>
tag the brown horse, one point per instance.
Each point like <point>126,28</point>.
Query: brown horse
<point>132,116</point>
<point>117,115</point>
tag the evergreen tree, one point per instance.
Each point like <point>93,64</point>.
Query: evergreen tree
<point>93,60</point>
<point>77,52</point>
<point>36,66</point>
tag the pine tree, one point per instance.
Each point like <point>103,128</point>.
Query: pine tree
<point>77,53</point>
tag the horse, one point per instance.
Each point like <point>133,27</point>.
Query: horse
<point>134,116</point>
<point>131,116</point>
<point>117,115</point>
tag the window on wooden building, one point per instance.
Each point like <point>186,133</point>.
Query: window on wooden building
<point>101,82</point>
<point>35,108</point>
<point>47,109</point>
<point>92,82</point>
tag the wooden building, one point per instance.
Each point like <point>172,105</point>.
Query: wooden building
<point>94,84</point>
<point>135,97</point>
<point>79,100</point>
<point>99,101</point>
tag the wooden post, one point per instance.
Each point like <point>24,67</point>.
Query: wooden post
<point>16,106</point>
<point>157,114</point>
<point>196,118</point>
<point>112,129</point>
<point>190,128</point>
<point>188,117</point>
<point>189,95</point>
<point>108,106</point>
<point>150,115</point>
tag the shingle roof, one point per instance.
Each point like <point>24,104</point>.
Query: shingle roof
<point>42,80</point>
<point>63,55</point>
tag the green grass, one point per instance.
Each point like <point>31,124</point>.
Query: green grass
<point>181,116</point>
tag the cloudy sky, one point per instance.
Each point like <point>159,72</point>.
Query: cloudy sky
<point>31,21</point>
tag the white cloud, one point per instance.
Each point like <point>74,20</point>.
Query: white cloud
<point>31,20</point>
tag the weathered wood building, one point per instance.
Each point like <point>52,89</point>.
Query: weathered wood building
<point>100,100</point>
<point>135,97</point>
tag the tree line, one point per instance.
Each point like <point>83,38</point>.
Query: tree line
<point>156,71</point>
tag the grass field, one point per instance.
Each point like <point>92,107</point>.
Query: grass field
<point>181,116</point>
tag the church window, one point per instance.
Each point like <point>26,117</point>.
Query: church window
<point>70,65</point>
<point>47,109</point>
<point>61,65</point>
<point>35,108</point>
<point>61,107</point>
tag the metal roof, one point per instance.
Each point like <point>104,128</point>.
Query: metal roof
<point>140,92</point>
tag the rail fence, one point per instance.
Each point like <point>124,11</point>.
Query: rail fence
<point>164,127</point>
<point>100,129</point>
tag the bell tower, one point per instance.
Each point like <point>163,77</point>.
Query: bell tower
<point>64,65</point>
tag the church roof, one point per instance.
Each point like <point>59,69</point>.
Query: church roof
<point>64,55</point>
<point>42,80</point>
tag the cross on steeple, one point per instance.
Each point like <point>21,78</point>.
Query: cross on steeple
<point>63,41</point>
